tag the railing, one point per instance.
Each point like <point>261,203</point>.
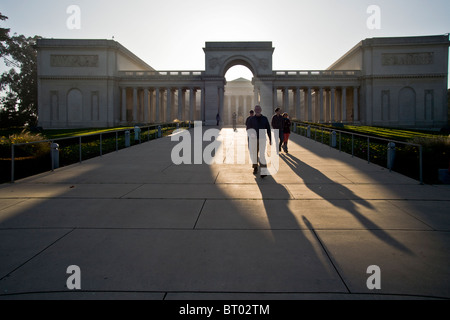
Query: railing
<point>362,146</point>
<point>286,73</point>
<point>78,148</point>
<point>160,73</point>
<point>318,73</point>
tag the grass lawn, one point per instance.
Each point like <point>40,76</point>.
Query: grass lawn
<point>64,133</point>
<point>388,133</point>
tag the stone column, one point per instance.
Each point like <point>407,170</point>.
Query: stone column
<point>194,99</point>
<point>202,105</point>
<point>344,104</point>
<point>286,99</point>
<point>275,97</point>
<point>180,104</point>
<point>321,108</point>
<point>355,104</point>
<point>297,103</point>
<point>333,95</point>
<point>327,106</point>
<point>157,104</point>
<point>146,113</point>
<point>134,104</point>
<point>221,97</point>
<point>124,104</point>
<point>168,114</point>
<point>256,95</point>
<point>191,104</point>
<point>309,105</point>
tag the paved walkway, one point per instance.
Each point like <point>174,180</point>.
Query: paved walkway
<point>140,227</point>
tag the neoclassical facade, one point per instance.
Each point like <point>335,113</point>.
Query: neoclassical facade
<point>397,82</point>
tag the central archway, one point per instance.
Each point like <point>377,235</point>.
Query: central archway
<point>239,95</point>
<point>220,57</point>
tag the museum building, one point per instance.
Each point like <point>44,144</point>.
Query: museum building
<point>396,82</point>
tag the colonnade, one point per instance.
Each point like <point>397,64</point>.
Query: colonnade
<point>322,104</point>
<point>160,104</point>
<point>319,104</point>
<point>240,104</point>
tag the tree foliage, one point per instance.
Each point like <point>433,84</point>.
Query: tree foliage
<point>18,85</point>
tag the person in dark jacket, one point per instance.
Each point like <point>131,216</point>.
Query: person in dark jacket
<point>277,123</point>
<point>257,139</point>
<point>251,114</point>
<point>286,131</point>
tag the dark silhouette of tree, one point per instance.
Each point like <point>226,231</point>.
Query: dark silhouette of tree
<point>18,85</point>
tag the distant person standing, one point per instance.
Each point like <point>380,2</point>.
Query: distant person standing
<point>218,118</point>
<point>257,140</point>
<point>234,121</point>
<point>277,124</point>
<point>286,131</point>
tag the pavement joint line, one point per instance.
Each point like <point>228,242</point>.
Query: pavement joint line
<point>222,229</point>
<point>199,213</point>
<point>38,253</point>
<point>310,227</point>
<point>122,197</point>
<point>259,293</point>
<point>411,215</point>
<point>356,199</point>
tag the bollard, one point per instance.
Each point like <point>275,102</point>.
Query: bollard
<point>333,139</point>
<point>137,134</point>
<point>159,132</point>
<point>390,155</point>
<point>295,127</point>
<point>127,139</point>
<point>55,155</point>
<point>308,132</point>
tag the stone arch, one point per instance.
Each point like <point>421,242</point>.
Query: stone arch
<point>75,105</point>
<point>407,105</point>
<point>238,60</point>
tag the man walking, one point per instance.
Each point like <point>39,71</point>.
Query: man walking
<point>258,126</point>
<point>277,124</point>
<point>250,114</point>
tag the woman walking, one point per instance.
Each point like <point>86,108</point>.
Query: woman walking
<point>286,131</point>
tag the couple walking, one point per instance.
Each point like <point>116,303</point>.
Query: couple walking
<point>257,122</point>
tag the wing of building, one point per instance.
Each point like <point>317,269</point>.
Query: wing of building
<point>397,82</point>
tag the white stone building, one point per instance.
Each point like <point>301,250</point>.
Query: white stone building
<point>398,82</point>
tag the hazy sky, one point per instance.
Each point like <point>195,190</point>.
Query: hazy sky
<point>170,34</point>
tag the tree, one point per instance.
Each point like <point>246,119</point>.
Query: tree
<point>18,102</point>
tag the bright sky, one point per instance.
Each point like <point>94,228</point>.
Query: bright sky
<point>170,34</point>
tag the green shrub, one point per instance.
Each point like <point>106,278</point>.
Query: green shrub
<point>28,150</point>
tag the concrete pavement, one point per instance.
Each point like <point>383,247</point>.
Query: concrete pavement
<point>140,227</point>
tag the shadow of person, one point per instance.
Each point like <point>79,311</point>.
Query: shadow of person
<point>335,193</point>
<point>305,263</point>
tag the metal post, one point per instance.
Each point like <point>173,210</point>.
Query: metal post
<point>79,142</point>
<point>368,150</point>
<point>420,165</point>
<point>51,155</point>
<point>352,144</point>
<point>117,141</point>
<point>101,151</point>
<point>12,162</point>
<point>339,141</point>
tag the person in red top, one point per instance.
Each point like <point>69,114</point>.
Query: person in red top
<point>286,131</point>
